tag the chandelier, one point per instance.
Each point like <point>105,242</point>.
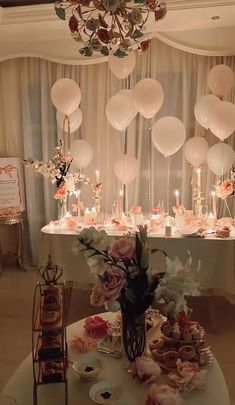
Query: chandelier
<point>109,26</point>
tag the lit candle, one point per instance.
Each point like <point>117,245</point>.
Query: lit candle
<point>213,204</point>
<point>199,183</point>
<point>211,221</point>
<point>121,201</point>
<point>97,173</point>
<point>177,198</point>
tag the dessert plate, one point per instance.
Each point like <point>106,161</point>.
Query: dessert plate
<point>105,392</point>
<point>189,231</point>
<point>88,368</point>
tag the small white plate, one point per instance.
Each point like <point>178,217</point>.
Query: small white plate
<point>189,230</point>
<point>88,368</point>
<point>105,392</point>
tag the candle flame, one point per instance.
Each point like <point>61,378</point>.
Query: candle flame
<point>121,193</point>
<point>212,193</point>
<point>177,193</point>
<point>199,171</point>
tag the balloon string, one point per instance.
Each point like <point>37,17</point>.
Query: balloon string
<point>168,187</point>
<point>150,164</point>
<point>124,187</point>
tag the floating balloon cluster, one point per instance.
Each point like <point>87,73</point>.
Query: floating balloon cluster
<point>213,113</point>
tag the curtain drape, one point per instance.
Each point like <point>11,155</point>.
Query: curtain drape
<point>28,127</point>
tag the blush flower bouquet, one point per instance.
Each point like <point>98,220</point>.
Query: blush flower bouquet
<point>124,280</point>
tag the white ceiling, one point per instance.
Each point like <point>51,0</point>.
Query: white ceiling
<point>36,31</point>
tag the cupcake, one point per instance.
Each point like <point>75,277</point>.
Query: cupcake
<point>176,331</point>
<point>186,334</point>
<point>166,328</point>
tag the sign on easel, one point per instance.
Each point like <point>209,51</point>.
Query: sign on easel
<point>12,200</point>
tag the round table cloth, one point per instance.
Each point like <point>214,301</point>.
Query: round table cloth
<point>134,393</point>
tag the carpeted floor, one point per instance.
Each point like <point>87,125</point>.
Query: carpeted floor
<point>16,296</point>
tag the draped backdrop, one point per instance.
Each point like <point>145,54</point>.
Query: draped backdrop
<point>28,127</point>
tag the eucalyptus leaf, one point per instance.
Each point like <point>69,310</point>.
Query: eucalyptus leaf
<point>60,12</point>
<point>137,34</point>
<point>119,53</point>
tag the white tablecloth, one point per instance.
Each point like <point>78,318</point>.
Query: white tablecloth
<point>217,257</point>
<point>21,383</point>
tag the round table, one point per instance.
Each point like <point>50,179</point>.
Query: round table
<point>21,383</point>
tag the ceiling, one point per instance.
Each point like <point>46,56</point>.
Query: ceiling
<point>12,3</point>
<point>34,30</point>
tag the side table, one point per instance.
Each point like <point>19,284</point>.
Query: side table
<point>19,222</point>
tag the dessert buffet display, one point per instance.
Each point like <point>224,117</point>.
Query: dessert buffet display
<point>49,341</point>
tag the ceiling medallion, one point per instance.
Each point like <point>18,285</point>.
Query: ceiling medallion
<point>110,26</point>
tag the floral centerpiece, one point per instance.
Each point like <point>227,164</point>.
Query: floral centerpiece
<point>124,280</point>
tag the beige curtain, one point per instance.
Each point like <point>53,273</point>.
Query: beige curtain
<point>28,126</point>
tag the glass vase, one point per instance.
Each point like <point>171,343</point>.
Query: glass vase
<point>133,335</point>
<point>62,208</point>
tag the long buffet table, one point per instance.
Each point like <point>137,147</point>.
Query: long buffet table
<point>217,257</point>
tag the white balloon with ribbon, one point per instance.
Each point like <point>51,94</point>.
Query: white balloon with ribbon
<point>168,135</point>
<point>195,151</point>
<point>221,119</point>
<point>120,111</point>
<point>75,120</point>
<point>66,96</point>
<point>220,158</point>
<point>149,96</point>
<point>82,153</point>
<point>122,67</point>
<point>203,107</point>
<point>220,80</point>
<point>126,168</point>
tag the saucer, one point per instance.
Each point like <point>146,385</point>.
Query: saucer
<point>105,392</point>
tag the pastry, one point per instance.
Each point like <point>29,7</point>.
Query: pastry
<point>187,352</point>
<point>186,335</point>
<point>196,334</point>
<point>176,331</point>
<point>170,358</point>
<point>158,354</point>
<point>50,317</point>
<point>51,291</point>
<point>167,329</point>
<point>156,344</point>
<point>223,233</point>
<point>50,346</point>
<point>52,371</point>
<point>51,303</point>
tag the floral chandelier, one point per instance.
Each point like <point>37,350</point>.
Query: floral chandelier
<point>109,26</point>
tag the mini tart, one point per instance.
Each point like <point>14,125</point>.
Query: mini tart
<point>170,358</point>
<point>158,354</point>
<point>187,353</point>
<point>156,344</point>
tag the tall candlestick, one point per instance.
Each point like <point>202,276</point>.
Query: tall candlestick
<point>177,198</point>
<point>78,202</point>
<point>198,182</point>
<point>121,201</point>
<point>213,200</point>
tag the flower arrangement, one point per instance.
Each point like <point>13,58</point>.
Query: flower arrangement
<point>57,171</point>
<point>109,26</point>
<point>163,395</point>
<point>225,188</point>
<point>123,275</point>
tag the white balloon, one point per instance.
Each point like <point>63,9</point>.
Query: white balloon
<point>82,153</point>
<point>203,107</point>
<point>220,158</point>
<point>129,93</point>
<point>122,67</point>
<point>120,111</point>
<point>222,119</point>
<point>75,120</point>
<point>168,135</point>
<point>195,150</point>
<point>66,96</point>
<point>220,80</point>
<point>126,168</point>
<point>149,96</point>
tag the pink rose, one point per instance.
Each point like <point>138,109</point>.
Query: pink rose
<point>96,327</point>
<point>123,248</point>
<point>114,280</point>
<point>83,344</point>
<point>146,369</point>
<point>60,192</point>
<point>163,395</point>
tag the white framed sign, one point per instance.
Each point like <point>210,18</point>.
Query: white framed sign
<point>11,186</point>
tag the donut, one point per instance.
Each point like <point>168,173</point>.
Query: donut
<point>158,354</point>
<point>187,353</point>
<point>156,344</point>
<point>170,358</point>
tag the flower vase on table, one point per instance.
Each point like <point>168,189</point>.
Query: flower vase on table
<point>124,281</point>
<point>62,208</point>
